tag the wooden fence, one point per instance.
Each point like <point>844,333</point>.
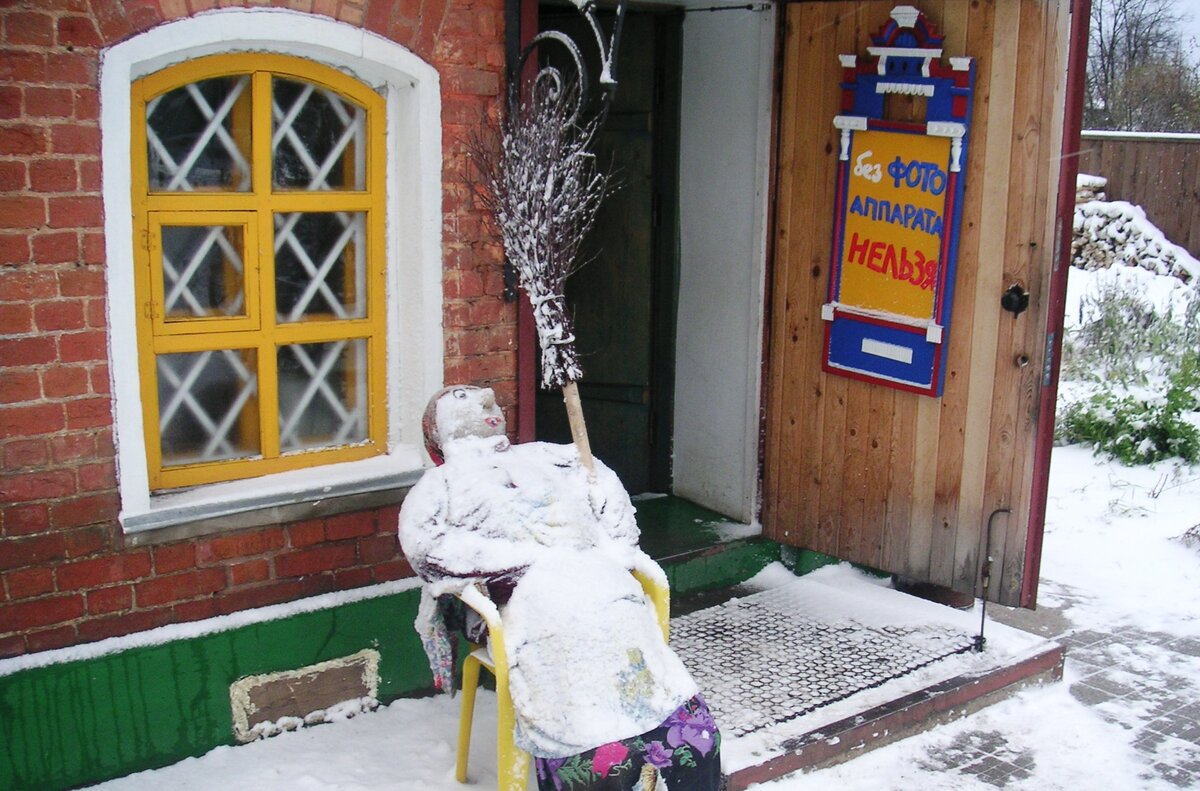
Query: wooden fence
<point>1159,172</point>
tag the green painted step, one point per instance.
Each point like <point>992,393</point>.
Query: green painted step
<point>698,548</point>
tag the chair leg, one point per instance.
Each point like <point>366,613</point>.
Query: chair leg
<point>512,763</point>
<point>470,683</point>
<point>514,775</point>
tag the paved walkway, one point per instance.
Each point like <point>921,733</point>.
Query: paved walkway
<point>1138,680</point>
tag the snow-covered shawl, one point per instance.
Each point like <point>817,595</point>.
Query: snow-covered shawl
<point>493,508</point>
<point>587,662</point>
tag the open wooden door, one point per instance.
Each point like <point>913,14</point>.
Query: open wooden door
<point>925,487</point>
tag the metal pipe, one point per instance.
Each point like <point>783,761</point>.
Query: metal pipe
<point>985,577</point>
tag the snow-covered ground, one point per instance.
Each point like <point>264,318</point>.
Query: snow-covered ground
<point>1118,588</point>
<point>1111,563</point>
<point>1112,566</point>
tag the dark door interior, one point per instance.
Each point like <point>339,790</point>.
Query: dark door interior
<point>623,297</point>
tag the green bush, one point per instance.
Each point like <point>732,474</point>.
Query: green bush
<point>1135,429</point>
<point>1138,370</point>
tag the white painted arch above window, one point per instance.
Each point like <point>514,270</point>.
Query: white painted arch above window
<point>414,272</point>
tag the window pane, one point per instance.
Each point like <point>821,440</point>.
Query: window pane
<point>319,266</point>
<point>207,406</point>
<point>198,136</point>
<point>203,273</point>
<point>322,394</point>
<point>317,139</point>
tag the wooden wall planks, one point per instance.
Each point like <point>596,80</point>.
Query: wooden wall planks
<point>889,479</point>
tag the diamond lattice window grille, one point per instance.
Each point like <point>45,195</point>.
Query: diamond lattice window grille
<point>197,285</point>
<point>313,251</point>
<point>314,132</point>
<point>322,394</point>
<point>203,398</point>
<point>189,143</point>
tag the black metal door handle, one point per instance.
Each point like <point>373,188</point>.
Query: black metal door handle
<point>1015,300</point>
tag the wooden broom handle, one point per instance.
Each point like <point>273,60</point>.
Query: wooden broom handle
<point>578,427</point>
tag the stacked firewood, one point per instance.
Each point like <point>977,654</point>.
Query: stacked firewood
<point>1089,188</point>
<point>1111,233</point>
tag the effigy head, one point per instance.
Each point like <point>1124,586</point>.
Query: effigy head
<point>457,412</point>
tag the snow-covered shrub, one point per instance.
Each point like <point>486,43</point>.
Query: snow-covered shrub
<point>1129,328</point>
<point>1131,365</point>
<point>1137,429</point>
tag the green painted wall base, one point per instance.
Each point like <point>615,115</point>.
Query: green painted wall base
<point>82,722</point>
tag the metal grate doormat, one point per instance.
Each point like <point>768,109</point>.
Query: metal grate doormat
<point>779,654</point>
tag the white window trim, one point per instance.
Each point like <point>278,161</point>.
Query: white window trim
<point>413,249</point>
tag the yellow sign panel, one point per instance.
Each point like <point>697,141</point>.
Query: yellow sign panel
<point>895,208</point>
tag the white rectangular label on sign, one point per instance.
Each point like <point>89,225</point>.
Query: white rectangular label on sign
<point>901,354</point>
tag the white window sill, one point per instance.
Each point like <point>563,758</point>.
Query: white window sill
<point>232,505</point>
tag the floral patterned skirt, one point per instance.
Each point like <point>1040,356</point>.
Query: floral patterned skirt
<point>685,749</point>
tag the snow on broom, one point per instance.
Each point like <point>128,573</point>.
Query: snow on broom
<point>543,186</point>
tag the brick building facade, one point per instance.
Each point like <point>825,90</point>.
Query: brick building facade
<point>70,572</point>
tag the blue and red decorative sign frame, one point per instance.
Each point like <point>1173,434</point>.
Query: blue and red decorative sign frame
<point>898,210</point>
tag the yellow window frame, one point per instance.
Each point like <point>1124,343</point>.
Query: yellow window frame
<point>162,324</point>
<point>259,333</point>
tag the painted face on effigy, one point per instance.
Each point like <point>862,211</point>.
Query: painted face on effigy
<point>460,412</point>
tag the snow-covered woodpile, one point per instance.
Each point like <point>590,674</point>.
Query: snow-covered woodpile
<point>1089,188</point>
<point>1116,232</point>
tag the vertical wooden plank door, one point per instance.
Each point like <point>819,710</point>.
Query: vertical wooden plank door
<point>893,480</point>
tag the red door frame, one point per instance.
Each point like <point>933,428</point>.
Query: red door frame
<point>1081,12</point>
<point>525,14</point>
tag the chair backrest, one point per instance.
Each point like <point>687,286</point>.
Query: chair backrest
<point>654,583</point>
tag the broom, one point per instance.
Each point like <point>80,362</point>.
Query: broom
<point>543,187</point>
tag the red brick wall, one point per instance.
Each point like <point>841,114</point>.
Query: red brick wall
<point>65,575</point>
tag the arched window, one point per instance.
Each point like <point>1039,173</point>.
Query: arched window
<point>273,215</point>
<point>258,209</point>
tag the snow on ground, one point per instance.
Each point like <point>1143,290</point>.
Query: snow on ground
<point>1111,533</point>
<point>1110,561</point>
<point>408,746</point>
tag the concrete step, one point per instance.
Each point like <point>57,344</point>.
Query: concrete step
<point>803,672</point>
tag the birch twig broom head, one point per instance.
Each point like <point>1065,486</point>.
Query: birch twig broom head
<point>543,186</point>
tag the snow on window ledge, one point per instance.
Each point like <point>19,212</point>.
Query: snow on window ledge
<point>308,492</point>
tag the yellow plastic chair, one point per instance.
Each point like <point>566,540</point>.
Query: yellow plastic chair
<point>512,763</point>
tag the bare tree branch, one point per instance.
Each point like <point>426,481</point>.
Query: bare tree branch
<point>1138,75</point>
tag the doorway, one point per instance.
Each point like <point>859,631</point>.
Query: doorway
<point>624,296</point>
